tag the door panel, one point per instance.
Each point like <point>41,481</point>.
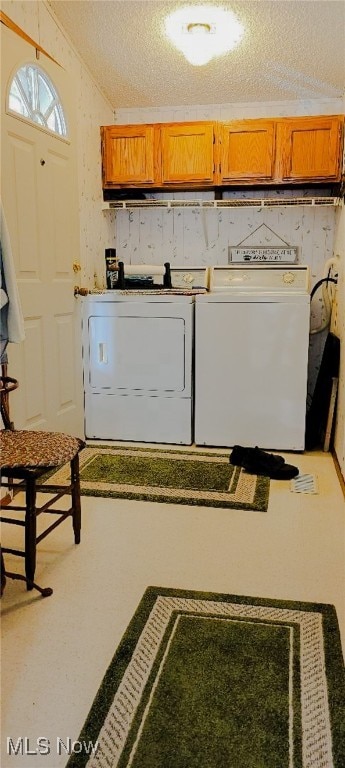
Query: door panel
<point>247,150</point>
<point>129,154</point>
<point>64,334</point>
<point>187,153</point>
<point>309,148</point>
<point>60,216</point>
<point>21,162</point>
<point>33,398</point>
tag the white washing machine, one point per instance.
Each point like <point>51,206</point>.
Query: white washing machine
<point>251,357</point>
<point>137,359</point>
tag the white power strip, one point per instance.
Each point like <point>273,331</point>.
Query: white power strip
<point>304,484</point>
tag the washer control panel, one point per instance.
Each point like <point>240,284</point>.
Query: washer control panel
<point>260,278</point>
<point>192,277</point>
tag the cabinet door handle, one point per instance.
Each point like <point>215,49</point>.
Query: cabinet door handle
<point>102,352</point>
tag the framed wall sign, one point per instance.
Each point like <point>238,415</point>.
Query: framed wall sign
<point>284,255</point>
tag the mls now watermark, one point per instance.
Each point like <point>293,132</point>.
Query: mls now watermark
<point>44,746</point>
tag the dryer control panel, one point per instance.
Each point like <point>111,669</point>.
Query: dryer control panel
<point>189,277</point>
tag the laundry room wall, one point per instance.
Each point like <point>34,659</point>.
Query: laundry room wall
<point>96,231</point>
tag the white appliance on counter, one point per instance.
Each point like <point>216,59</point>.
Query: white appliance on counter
<point>251,357</point>
<point>138,358</point>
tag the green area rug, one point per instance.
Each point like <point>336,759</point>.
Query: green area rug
<point>168,475</point>
<point>203,680</point>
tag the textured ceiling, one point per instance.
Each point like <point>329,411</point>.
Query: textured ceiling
<point>291,49</point>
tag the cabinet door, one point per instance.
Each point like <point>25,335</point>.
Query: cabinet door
<point>129,155</point>
<point>310,148</point>
<point>246,151</point>
<point>187,154</point>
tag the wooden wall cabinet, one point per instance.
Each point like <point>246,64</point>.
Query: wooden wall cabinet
<point>129,156</point>
<point>309,148</point>
<point>246,151</point>
<point>160,155</point>
<point>279,151</point>
<point>187,154</point>
<point>207,154</point>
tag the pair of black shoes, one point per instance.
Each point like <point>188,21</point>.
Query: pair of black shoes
<point>259,462</point>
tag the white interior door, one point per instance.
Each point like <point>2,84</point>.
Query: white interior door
<point>39,195</point>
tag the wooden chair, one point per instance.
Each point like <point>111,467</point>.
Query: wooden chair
<point>26,456</point>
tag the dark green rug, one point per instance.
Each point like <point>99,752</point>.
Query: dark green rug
<point>176,476</point>
<point>203,680</point>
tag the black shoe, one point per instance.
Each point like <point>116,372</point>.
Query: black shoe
<point>259,462</point>
<point>284,472</point>
<point>241,456</point>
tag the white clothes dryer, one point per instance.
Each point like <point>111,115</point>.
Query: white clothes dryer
<point>251,357</point>
<point>137,350</point>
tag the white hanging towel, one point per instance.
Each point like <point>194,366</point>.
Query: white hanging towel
<point>9,288</point>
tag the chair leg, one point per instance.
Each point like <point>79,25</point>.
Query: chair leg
<point>30,532</point>
<point>75,493</point>
<point>44,591</point>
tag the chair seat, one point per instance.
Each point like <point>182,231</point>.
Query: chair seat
<point>24,448</point>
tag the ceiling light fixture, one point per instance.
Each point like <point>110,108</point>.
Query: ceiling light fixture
<point>203,32</point>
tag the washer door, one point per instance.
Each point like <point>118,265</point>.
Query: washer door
<point>138,355</point>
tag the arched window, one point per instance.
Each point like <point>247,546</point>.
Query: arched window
<point>33,96</point>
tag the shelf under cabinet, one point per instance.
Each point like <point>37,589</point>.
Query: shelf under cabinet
<point>264,202</point>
